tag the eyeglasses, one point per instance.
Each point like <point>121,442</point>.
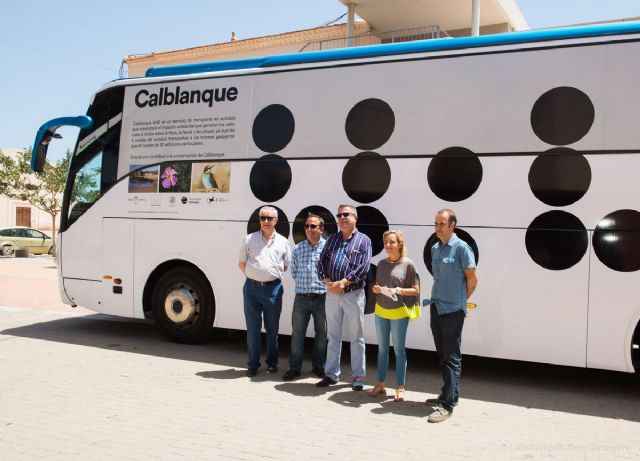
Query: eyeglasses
<point>311,226</point>
<point>343,215</point>
<point>267,218</point>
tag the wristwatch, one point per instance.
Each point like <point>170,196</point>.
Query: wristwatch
<point>341,284</point>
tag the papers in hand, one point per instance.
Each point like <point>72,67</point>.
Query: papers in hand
<point>389,292</point>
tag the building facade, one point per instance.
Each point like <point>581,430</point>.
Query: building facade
<point>380,21</point>
<point>15,212</point>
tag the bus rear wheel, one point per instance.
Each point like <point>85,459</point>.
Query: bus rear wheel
<point>183,306</point>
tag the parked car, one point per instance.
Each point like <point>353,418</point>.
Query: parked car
<point>24,237</point>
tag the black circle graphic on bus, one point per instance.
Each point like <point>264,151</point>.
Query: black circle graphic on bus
<point>282,227</point>
<point>616,240</point>
<point>372,223</point>
<point>273,128</point>
<point>461,234</point>
<point>562,116</point>
<point>366,177</point>
<point>330,226</point>
<point>270,178</point>
<point>454,174</point>
<point>560,176</point>
<point>556,240</point>
<point>370,124</point>
<point>370,296</point>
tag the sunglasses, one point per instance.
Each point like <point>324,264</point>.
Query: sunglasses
<point>267,218</point>
<point>343,215</point>
<point>311,226</point>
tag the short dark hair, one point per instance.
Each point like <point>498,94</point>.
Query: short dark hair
<point>451,214</point>
<point>311,215</point>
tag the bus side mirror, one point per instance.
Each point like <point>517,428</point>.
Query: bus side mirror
<point>41,151</point>
<point>37,163</point>
<point>47,132</point>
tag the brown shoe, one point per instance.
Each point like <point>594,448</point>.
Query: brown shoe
<point>377,390</point>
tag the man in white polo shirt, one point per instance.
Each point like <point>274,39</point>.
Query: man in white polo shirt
<point>264,257</point>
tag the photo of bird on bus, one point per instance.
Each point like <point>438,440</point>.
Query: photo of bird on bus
<point>209,177</point>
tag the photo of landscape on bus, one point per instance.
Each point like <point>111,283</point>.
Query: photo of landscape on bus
<point>143,180</point>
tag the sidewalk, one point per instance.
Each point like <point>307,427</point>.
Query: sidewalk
<point>78,386</point>
<point>32,282</point>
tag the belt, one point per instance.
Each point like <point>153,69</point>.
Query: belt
<point>263,284</point>
<point>311,295</point>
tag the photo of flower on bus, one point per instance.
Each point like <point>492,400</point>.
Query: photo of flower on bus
<point>211,177</point>
<point>143,180</point>
<point>175,177</point>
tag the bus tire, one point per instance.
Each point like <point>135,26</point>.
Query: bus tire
<point>635,350</point>
<point>183,306</point>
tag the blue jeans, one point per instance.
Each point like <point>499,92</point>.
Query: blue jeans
<point>305,306</point>
<point>447,335</point>
<point>259,301</point>
<point>345,313</point>
<point>398,330</point>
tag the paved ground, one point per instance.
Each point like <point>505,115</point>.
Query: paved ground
<point>31,282</point>
<point>75,385</point>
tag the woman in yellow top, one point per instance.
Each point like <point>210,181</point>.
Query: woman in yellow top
<point>397,301</point>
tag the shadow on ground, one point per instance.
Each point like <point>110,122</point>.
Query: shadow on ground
<point>539,386</point>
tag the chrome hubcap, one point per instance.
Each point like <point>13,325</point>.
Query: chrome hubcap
<point>181,305</point>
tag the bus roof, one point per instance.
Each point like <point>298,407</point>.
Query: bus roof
<point>420,46</point>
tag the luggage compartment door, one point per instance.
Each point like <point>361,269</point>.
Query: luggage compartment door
<point>117,266</point>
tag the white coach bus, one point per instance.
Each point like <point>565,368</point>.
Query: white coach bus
<point>533,138</point>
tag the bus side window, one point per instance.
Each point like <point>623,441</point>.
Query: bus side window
<point>86,188</point>
<point>110,160</point>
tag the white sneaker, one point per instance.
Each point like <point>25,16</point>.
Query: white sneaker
<point>439,414</point>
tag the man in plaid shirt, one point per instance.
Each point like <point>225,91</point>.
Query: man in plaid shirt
<point>309,300</point>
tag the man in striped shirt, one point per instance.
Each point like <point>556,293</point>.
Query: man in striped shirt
<point>344,263</point>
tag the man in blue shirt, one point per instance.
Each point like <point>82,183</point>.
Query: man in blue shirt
<point>454,280</point>
<point>309,301</point>
<point>343,268</point>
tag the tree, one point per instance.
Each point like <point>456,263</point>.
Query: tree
<point>43,191</point>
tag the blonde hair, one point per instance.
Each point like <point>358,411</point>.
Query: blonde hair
<point>400,237</point>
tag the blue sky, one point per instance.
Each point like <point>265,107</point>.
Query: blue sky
<point>56,54</point>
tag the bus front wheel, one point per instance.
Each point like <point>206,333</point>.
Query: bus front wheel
<point>182,304</point>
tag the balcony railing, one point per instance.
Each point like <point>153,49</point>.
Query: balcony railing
<point>395,36</point>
